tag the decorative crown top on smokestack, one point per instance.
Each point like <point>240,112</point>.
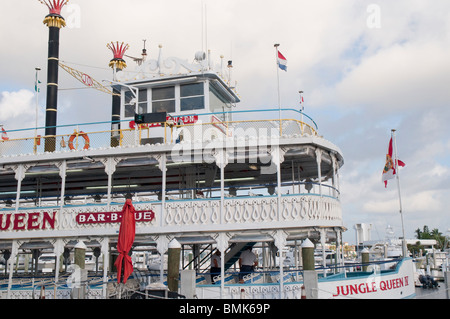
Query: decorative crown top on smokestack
<point>118,50</point>
<point>54,18</point>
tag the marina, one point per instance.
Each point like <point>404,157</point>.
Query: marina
<point>139,206</point>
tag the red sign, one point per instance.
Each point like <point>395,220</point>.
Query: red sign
<point>27,221</point>
<point>113,217</point>
<point>186,119</point>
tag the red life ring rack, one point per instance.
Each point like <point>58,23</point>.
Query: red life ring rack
<point>84,135</point>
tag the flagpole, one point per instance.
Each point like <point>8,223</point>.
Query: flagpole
<point>278,84</point>
<point>397,177</point>
<point>37,100</point>
<point>302,107</point>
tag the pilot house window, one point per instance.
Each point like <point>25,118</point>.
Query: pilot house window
<point>130,103</point>
<point>192,97</point>
<point>163,99</point>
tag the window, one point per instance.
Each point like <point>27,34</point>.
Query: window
<point>129,107</point>
<point>142,101</point>
<point>192,97</point>
<point>163,99</point>
<point>217,103</point>
<point>130,103</point>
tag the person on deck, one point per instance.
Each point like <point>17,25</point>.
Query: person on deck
<point>247,261</point>
<point>215,266</point>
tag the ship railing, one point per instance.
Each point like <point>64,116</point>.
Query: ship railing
<point>259,275</point>
<point>295,274</point>
<point>294,188</point>
<point>32,286</point>
<point>206,126</point>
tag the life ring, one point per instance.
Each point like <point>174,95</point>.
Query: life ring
<point>84,135</point>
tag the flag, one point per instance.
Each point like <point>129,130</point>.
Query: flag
<point>389,168</point>
<point>36,89</point>
<point>4,135</point>
<point>282,62</point>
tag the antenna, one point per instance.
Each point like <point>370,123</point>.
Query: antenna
<point>139,61</point>
<point>204,27</point>
<point>144,51</point>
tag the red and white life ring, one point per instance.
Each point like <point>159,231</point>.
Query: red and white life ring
<point>86,140</point>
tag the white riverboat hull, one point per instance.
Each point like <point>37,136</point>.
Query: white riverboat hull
<point>391,284</point>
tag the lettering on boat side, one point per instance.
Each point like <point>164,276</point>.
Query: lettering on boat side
<point>370,287</point>
<point>186,119</point>
<point>27,221</point>
<point>113,217</point>
<point>46,220</point>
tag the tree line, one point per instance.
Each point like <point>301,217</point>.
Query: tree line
<point>442,241</point>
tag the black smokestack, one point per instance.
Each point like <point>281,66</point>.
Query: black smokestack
<point>52,89</point>
<point>54,22</point>
<point>115,118</point>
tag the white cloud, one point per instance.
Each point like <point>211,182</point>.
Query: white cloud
<point>418,202</point>
<point>399,78</point>
<point>17,109</point>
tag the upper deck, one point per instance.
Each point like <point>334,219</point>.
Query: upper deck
<point>257,176</point>
<point>204,167</point>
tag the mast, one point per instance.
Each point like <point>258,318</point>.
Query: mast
<point>278,83</point>
<point>397,177</point>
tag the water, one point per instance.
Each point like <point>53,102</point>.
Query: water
<point>437,293</point>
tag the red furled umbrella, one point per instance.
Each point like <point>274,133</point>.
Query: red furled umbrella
<point>126,238</point>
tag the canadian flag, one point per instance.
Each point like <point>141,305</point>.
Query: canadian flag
<point>389,170</point>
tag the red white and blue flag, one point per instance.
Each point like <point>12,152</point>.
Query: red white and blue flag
<point>282,62</point>
<point>389,170</point>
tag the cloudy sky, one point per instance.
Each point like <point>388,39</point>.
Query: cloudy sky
<point>366,67</point>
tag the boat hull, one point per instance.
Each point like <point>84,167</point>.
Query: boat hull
<point>391,284</point>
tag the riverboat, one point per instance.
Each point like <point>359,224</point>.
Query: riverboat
<point>198,169</point>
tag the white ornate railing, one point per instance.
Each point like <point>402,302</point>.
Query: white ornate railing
<point>254,210</point>
<point>204,214</point>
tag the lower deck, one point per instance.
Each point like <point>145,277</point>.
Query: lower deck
<point>350,283</point>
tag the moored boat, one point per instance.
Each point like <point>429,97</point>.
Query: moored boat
<point>198,170</point>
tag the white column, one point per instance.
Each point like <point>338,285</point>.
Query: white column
<point>334,162</point>
<point>105,252</point>
<point>222,245</point>
<point>280,242</point>
<point>221,158</point>
<point>324,256</point>
<point>110,167</point>
<point>162,244</point>
<point>319,168</point>
<point>162,159</point>
<point>14,250</point>
<point>62,174</point>
<point>277,158</point>
<point>20,171</point>
<point>58,249</point>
